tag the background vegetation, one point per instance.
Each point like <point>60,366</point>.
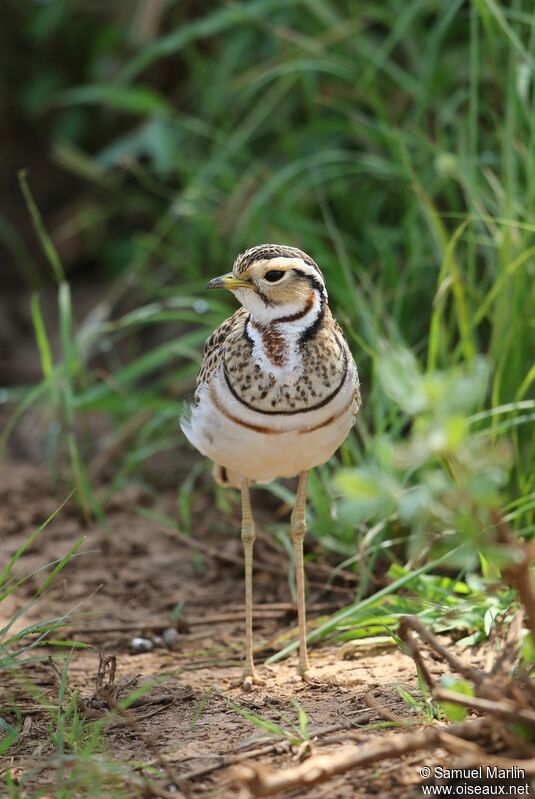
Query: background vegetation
<point>392,141</point>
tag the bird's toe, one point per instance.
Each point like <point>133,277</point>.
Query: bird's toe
<point>248,681</point>
<point>306,675</point>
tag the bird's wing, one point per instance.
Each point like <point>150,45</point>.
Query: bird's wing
<point>356,391</point>
<point>215,346</point>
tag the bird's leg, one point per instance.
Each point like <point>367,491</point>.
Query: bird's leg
<point>250,676</point>
<point>299,528</point>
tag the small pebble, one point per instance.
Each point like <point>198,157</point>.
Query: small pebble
<point>170,637</point>
<point>157,640</point>
<point>138,645</point>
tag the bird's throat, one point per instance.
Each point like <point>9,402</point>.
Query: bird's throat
<point>277,342</point>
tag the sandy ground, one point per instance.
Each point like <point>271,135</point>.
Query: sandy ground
<point>125,581</point>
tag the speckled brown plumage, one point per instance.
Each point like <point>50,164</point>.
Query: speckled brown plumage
<point>324,358</point>
<point>214,347</point>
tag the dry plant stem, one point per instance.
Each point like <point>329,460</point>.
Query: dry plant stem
<point>408,623</point>
<point>505,661</point>
<point>222,618</point>
<point>502,710</point>
<point>322,767</point>
<point>385,713</point>
<point>151,789</point>
<point>518,574</point>
<point>363,718</point>
<point>107,667</point>
<point>404,631</point>
<point>139,717</point>
<point>162,624</point>
<point>224,761</point>
<point>477,757</point>
<point>233,757</point>
<point>105,664</point>
<point>58,675</point>
<point>331,589</point>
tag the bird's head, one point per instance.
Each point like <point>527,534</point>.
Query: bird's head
<point>274,282</point>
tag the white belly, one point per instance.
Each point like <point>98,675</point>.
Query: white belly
<point>263,447</point>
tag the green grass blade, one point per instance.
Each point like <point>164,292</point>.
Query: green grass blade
<point>358,607</point>
<point>44,239</point>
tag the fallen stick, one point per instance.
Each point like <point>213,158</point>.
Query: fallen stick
<point>412,623</point>
<point>224,761</point>
<point>502,710</point>
<point>158,625</point>
<point>506,659</point>
<point>233,757</point>
<point>478,757</point>
<point>262,613</point>
<point>322,767</point>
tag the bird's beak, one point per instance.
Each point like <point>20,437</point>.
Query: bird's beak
<point>229,282</point>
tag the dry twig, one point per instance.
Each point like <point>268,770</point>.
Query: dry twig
<point>411,623</point>
<point>232,757</point>
<point>502,710</point>
<point>322,767</point>
<point>502,700</point>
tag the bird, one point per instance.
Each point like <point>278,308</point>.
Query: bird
<point>277,394</point>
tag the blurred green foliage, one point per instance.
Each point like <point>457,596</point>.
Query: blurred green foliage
<point>443,479</point>
<point>393,141</point>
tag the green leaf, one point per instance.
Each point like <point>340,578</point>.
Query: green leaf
<point>527,649</point>
<point>303,720</point>
<point>44,239</point>
<point>132,99</point>
<point>367,492</point>
<point>415,504</point>
<point>9,735</point>
<point>259,721</point>
<point>401,379</point>
<point>43,344</point>
<point>453,711</point>
<point>489,618</point>
<point>60,565</point>
<point>221,20</point>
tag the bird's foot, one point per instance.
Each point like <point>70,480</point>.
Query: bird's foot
<point>305,674</point>
<point>248,680</point>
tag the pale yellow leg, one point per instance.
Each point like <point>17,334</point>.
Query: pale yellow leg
<point>299,528</point>
<point>250,676</point>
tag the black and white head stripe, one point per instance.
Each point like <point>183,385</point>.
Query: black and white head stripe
<point>265,252</point>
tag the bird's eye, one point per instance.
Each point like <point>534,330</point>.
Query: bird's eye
<point>273,275</point>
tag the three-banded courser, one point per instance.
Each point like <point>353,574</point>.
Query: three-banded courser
<point>277,394</point>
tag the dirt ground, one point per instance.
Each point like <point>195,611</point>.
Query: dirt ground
<point>128,576</point>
